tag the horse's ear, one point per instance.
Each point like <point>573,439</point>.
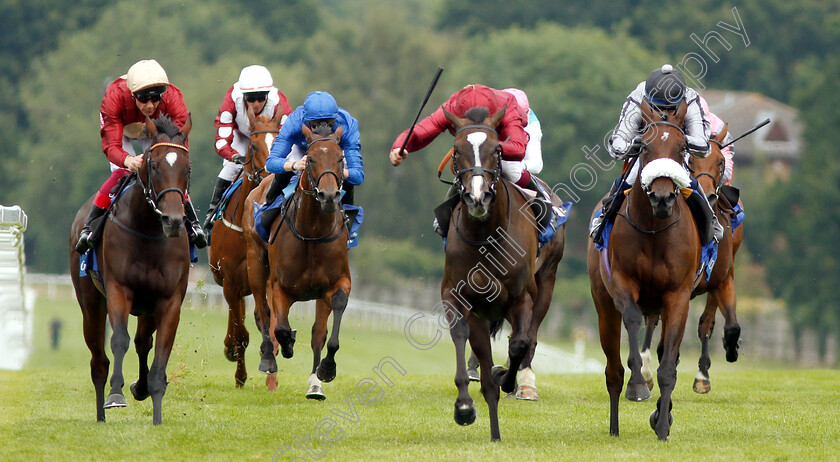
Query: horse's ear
<point>453,119</point>
<point>337,133</point>
<point>306,131</point>
<point>278,117</point>
<point>494,120</point>
<point>681,110</point>
<point>251,116</point>
<point>187,126</point>
<point>151,128</point>
<point>722,134</point>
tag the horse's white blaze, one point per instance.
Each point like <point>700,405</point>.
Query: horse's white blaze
<point>665,136</point>
<point>476,139</point>
<point>171,157</point>
<point>324,149</point>
<point>646,372</point>
<point>269,140</point>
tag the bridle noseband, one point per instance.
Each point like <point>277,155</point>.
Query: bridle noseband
<point>149,187</point>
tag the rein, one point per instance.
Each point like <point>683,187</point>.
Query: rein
<point>148,186</point>
<point>256,177</point>
<point>489,240</point>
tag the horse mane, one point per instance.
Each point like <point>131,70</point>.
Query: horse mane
<point>323,130</point>
<point>167,125</point>
<point>477,114</point>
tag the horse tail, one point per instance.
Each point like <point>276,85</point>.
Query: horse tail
<point>495,327</point>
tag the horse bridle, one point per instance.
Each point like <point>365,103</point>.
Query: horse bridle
<point>668,124</point>
<point>715,182</point>
<point>478,170</point>
<point>314,182</point>
<point>149,187</point>
<point>256,177</point>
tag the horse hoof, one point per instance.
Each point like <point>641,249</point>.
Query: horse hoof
<point>287,343</point>
<point>326,371</point>
<point>702,386</point>
<point>230,354</point>
<point>732,354</point>
<point>498,374</point>
<point>137,396</point>
<point>271,382</point>
<point>115,400</point>
<point>527,393</point>
<point>654,419</point>
<point>465,415</point>
<point>268,366</point>
<point>472,374</point>
<point>637,392</point>
<point>316,392</point>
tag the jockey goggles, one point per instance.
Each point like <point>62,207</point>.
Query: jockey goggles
<point>152,94</point>
<point>256,96</point>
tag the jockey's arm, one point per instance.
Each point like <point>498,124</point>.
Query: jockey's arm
<point>697,131</point>
<point>225,125</point>
<point>351,144</point>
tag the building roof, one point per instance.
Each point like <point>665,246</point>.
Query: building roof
<point>781,139</point>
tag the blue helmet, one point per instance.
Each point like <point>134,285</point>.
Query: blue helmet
<point>319,105</point>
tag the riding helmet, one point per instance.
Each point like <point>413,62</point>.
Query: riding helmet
<point>665,87</point>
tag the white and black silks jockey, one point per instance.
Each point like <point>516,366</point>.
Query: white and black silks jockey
<point>664,90</point>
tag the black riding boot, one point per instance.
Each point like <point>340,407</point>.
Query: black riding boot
<point>196,234</point>
<point>608,211</point>
<point>280,181</point>
<point>85,242</point>
<point>218,190</point>
<point>540,204</point>
<point>443,212</point>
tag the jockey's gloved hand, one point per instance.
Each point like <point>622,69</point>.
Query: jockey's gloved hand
<point>636,145</point>
<point>238,159</point>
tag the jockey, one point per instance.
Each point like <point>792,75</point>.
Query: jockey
<point>143,92</point>
<point>512,133</point>
<point>288,157</point>
<point>716,125</point>
<point>664,90</point>
<point>255,90</point>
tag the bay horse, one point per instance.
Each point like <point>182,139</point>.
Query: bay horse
<point>720,288</point>
<point>144,261</point>
<point>649,267</point>
<point>227,252</point>
<point>306,260</point>
<point>494,270</point>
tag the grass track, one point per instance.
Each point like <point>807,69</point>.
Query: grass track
<point>46,410</point>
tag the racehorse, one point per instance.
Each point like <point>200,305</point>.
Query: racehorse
<point>306,260</point>
<point>144,260</point>
<point>494,270</point>
<point>649,267</point>
<point>226,252</point>
<point>720,288</point>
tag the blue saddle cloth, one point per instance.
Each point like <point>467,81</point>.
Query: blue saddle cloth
<point>736,220</point>
<point>223,203</point>
<point>559,216</point>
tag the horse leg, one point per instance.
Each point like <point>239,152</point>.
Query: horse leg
<point>472,367</point>
<point>464,406</point>
<point>237,338</point>
<point>609,330</point>
<point>702,382</point>
<point>167,317</point>
<point>257,277</point>
<point>338,302</point>
<point>283,333</point>
<point>479,334</point>
<point>731,329</point>
<point>119,305</point>
<point>637,389</point>
<point>94,315</point>
<point>675,308</point>
<point>518,345</point>
<point>650,326</point>
<point>545,278</point>
<point>143,344</point>
<point>319,338</point>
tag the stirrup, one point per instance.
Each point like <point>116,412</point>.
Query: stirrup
<point>83,244</point>
<point>197,237</point>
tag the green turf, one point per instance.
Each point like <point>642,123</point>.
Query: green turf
<point>47,410</point>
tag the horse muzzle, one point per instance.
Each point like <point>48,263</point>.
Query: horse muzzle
<point>172,226</point>
<point>662,203</point>
<point>478,205</point>
<point>328,200</point>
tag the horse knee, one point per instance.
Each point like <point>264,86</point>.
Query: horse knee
<point>339,300</point>
<point>518,348</point>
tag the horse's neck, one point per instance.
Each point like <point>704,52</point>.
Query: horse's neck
<point>308,216</point>
<point>134,210</point>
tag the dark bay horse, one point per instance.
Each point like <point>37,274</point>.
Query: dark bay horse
<point>306,260</point>
<point>649,267</point>
<point>144,262</point>
<point>494,270</point>
<point>720,288</point>
<point>227,253</point>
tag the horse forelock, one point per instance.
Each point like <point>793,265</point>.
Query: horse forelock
<point>167,126</point>
<point>323,130</point>
<point>477,114</point>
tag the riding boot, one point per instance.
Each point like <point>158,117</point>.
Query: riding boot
<point>609,210</point>
<point>541,204</point>
<point>197,236</point>
<point>717,228</point>
<point>85,241</point>
<point>443,212</point>
<point>218,190</point>
<point>281,180</point>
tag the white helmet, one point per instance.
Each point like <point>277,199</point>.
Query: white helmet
<point>255,79</point>
<point>144,74</point>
